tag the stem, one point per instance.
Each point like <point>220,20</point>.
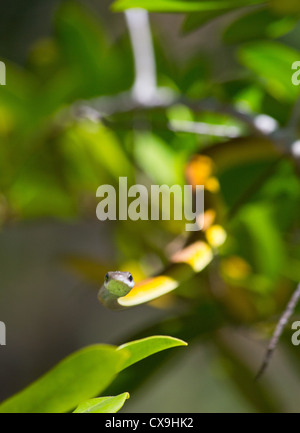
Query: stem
<point>145,85</point>
<point>286,315</point>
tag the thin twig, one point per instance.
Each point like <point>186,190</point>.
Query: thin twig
<point>125,103</point>
<point>190,127</point>
<point>288,312</point>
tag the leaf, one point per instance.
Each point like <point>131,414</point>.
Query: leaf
<point>272,63</point>
<point>258,24</point>
<point>80,376</point>
<point>103,404</point>
<point>287,6</point>
<point>264,239</point>
<point>145,347</point>
<point>182,6</point>
<point>159,161</point>
<point>95,67</point>
<point>195,20</point>
<point>196,324</point>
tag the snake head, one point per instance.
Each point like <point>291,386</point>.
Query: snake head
<point>118,283</point>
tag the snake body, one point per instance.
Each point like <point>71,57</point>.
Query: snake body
<point>119,291</point>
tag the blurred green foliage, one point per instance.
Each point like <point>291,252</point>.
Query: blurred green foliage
<point>52,162</point>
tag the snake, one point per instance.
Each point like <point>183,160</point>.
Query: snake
<point>119,290</point>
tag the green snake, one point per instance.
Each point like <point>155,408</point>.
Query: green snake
<point>116,284</point>
<point>119,290</point>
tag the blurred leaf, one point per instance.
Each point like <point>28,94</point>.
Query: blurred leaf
<point>103,404</point>
<point>195,77</point>
<point>240,151</point>
<point>40,189</point>
<point>287,6</point>
<point>96,67</point>
<point>264,239</point>
<point>158,160</point>
<point>182,6</point>
<point>250,98</point>
<point>242,183</point>
<point>282,192</point>
<point>145,347</point>
<point>80,376</point>
<point>291,269</point>
<point>94,156</point>
<point>195,20</point>
<point>260,24</point>
<point>272,63</point>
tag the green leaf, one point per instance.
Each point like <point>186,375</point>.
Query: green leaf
<point>258,25</point>
<point>159,161</point>
<point>78,377</point>
<point>103,404</point>
<point>272,63</point>
<point>195,20</point>
<point>83,375</point>
<point>264,239</point>
<point>145,347</point>
<point>94,67</point>
<point>182,6</point>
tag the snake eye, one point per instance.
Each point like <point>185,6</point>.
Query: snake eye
<point>106,278</point>
<point>130,278</point>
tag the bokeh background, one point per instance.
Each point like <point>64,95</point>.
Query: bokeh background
<point>54,252</point>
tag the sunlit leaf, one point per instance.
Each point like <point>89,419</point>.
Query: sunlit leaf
<point>103,404</point>
<point>162,163</point>
<point>272,63</point>
<point>145,347</point>
<point>182,6</point>
<point>83,375</point>
<point>78,377</point>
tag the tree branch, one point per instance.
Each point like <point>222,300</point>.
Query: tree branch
<point>288,312</point>
<point>145,85</point>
